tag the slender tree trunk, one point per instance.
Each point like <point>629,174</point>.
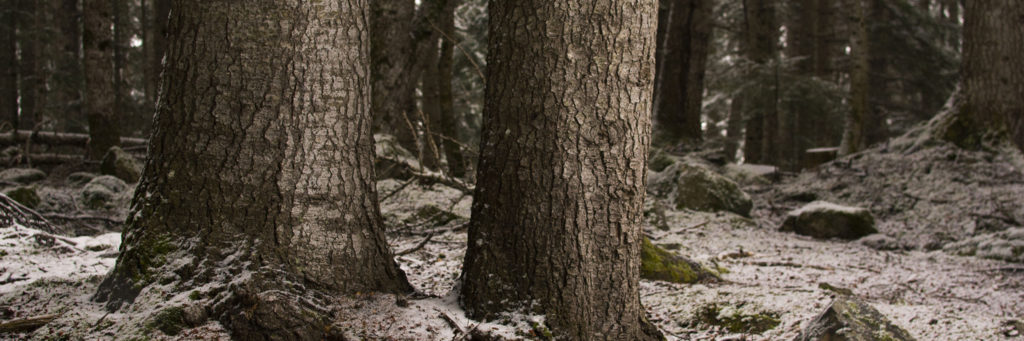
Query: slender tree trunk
<point>878,90</point>
<point>391,50</point>
<point>30,77</point>
<point>121,32</point>
<point>992,75</point>
<point>430,103</point>
<point>272,173</point>
<point>155,44</point>
<point>757,104</point>
<point>860,107</point>
<point>449,125</point>
<point>68,83</point>
<point>8,64</point>
<point>683,49</point>
<point>98,45</point>
<point>556,218</point>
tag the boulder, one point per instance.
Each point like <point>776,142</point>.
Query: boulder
<point>25,195</point>
<point>79,179</point>
<point>119,163</point>
<point>826,220</point>
<point>750,173</point>
<point>22,175</point>
<point>100,191</point>
<point>850,319</point>
<point>694,186</point>
<point>658,264</point>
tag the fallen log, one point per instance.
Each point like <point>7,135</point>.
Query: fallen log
<point>45,159</point>
<point>28,324</point>
<point>58,139</point>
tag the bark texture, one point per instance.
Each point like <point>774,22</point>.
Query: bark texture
<point>98,46</point>
<point>261,164</point>
<point>155,45</point>
<point>8,65</point>
<point>860,107</point>
<point>993,71</point>
<point>556,218</point>
<point>684,30</point>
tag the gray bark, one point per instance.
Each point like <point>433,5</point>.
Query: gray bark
<point>853,131</point>
<point>555,225</point>
<point>261,161</point>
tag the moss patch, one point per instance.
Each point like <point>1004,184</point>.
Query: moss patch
<point>734,319</point>
<point>661,265</point>
<point>170,321</point>
<point>25,195</point>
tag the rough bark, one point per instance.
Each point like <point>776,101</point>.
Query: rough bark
<point>684,30</point>
<point>555,225</point>
<point>8,65</point>
<point>29,73</point>
<point>391,51</point>
<point>860,107</point>
<point>98,46</point>
<point>155,45</point>
<point>261,162</point>
<point>992,75</point>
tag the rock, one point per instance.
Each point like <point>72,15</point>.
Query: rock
<point>79,179</point>
<point>850,319</point>
<point>25,195</point>
<point>22,175</point>
<point>825,220</point>
<point>119,163</point>
<point>1004,245</point>
<point>751,173</point>
<point>742,318</point>
<point>100,191</point>
<point>660,265</point>
<point>694,186</point>
<point>881,242</point>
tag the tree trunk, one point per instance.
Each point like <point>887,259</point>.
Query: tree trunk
<point>449,125</point>
<point>682,51</point>
<point>391,50</point>
<point>556,219</point>
<point>757,105</point>
<point>68,83</point>
<point>155,45</point>
<point>878,89</point>
<point>98,45</point>
<point>270,173</point>
<point>8,65</point>
<point>853,131</point>
<point>992,75</point>
<point>121,32</point>
<point>30,77</point>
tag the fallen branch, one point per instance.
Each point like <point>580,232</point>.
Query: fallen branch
<point>13,212</point>
<point>417,247</point>
<point>65,217</point>
<point>58,139</point>
<point>26,324</point>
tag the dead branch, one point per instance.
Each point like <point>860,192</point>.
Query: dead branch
<point>58,139</point>
<point>417,247</point>
<point>26,324</point>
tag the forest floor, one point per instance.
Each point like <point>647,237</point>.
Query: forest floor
<point>931,203</point>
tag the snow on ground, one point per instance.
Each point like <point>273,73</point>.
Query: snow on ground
<point>28,255</point>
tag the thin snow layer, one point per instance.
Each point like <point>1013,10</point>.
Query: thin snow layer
<point>825,206</point>
<point>28,255</point>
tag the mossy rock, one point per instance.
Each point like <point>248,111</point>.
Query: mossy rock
<point>122,165</point>
<point>170,321</point>
<point>660,265</point>
<point>22,175</point>
<point>737,319</point>
<point>79,179</point>
<point>850,319</point>
<point>826,220</point>
<point>101,191</point>
<point>431,215</point>
<point>25,195</point>
<point>691,185</point>
<point>659,160</point>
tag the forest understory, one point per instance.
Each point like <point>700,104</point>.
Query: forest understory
<point>945,265</point>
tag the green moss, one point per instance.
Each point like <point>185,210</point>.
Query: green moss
<point>734,320</point>
<point>659,160</point>
<point>659,264</point>
<point>170,321</point>
<point>195,295</point>
<point>25,195</point>
<point>835,289</point>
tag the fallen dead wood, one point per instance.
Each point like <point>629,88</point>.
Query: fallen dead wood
<point>58,139</point>
<point>47,159</point>
<point>27,324</point>
<point>13,212</point>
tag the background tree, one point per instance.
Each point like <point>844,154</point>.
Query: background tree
<point>261,160</point>
<point>555,225</point>
<point>853,132</point>
<point>30,76</point>
<point>684,30</point>
<point>391,51</point>
<point>98,46</point>
<point>8,64</point>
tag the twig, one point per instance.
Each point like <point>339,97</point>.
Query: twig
<point>399,189</point>
<point>417,247</point>
<point>82,217</point>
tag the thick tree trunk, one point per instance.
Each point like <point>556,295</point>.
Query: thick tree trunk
<point>98,45</point>
<point>391,50</point>
<point>556,218</point>
<point>271,172</point>
<point>992,74</point>
<point>449,125</point>
<point>8,65</point>
<point>860,107</point>
<point>683,35</point>
<point>30,77</point>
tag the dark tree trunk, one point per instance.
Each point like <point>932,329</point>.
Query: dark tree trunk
<point>8,65</point>
<point>122,31</point>
<point>860,66</point>
<point>757,105</point>
<point>272,173</point>
<point>449,125</point>
<point>30,77</point>
<point>684,29</point>
<point>430,103</point>
<point>878,89</point>
<point>391,50</point>
<point>68,83</point>
<point>992,75</point>
<point>556,218</point>
<point>155,45</point>
<point>98,45</point>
